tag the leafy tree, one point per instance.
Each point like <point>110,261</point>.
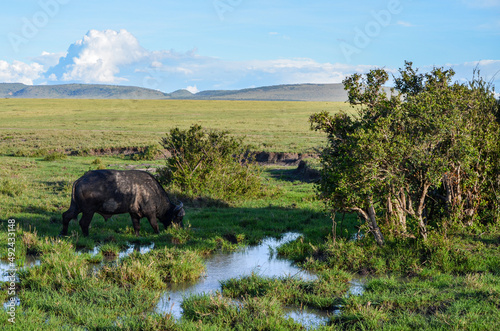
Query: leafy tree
<point>423,157</point>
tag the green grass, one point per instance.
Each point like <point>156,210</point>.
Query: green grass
<point>39,192</point>
<point>30,125</point>
<point>441,302</point>
<point>448,282</point>
<point>136,283</point>
<point>326,292</point>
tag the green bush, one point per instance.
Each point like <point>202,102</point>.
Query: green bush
<point>54,156</point>
<point>148,154</point>
<point>208,163</point>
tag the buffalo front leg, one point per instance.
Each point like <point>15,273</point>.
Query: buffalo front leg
<point>136,221</point>
<point>154,224</point>
<point>85,223</point>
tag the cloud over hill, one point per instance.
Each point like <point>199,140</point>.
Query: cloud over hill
<point>117,57</point>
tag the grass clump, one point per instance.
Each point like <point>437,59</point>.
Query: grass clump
<point>45,245</point>
<point>173,264</point>
<point>155,268</point>
<point>110,250</point>
<point>250,314</point>
<point>99,165</point>
<point>12,187</point>
<point>324,293</point>
<point>55,156</point>
<point>61,270</point>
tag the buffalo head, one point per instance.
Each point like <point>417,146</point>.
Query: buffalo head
<point>175,215</point>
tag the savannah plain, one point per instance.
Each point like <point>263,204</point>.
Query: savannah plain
<point>79,283</point>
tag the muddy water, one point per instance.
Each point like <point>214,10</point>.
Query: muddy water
<point>260,260</point>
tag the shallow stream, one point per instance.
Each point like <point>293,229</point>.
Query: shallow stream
<point>261,260</point>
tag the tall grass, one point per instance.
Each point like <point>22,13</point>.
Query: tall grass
<point>324,293</point>
<point>156,268</point>
<point>251,314</point>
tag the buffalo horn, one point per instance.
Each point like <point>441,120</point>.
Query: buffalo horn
<point>179,206</point>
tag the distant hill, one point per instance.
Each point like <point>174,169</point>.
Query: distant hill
<point>77,91</point>
<point>297,92</point>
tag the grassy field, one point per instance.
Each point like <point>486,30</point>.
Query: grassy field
<point>450,282</point>
<point>27,125</point>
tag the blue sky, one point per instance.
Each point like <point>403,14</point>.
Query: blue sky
<point>231,44</point>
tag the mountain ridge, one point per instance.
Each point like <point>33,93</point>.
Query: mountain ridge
<point>285,92</point>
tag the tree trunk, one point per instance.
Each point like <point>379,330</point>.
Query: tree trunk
<point>401,210</point>
<point>420,211</point>
<point>406,207</point>
<point>372,223</point>
<point>370,217</point>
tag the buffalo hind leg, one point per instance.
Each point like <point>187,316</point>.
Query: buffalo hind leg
<point>67,216</point>
<point>85,222</point>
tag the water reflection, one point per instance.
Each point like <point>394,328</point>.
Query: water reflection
<point>143,249</point>
<point>357,286</point>
<point>6,274</point>
<point>122,254</point>
<point>259,260</point>
<point>5,269</point>
<point>310,318</point>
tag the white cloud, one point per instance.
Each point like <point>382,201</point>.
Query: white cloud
<point>48,59</point>
<point>98,57</point>
<point>156,64</point>
<point>117,57</point>
<point>277,34</point>
<point>488,69</point>
<point>192,89</point>
<point>20,72</point>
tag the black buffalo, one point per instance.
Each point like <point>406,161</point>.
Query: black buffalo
<point>111,192</point>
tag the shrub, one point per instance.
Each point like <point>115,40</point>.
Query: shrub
<point>148,154</point>
<point>54,156</point>
<point>208,163</point>
<point>98,164</point>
